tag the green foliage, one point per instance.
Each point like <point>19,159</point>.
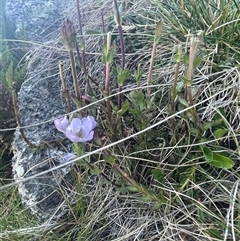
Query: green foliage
<point>175,159</point>
<point>12,74</point>
<point>216,160</point>
<point>122,75</point>
<point>217,19</point>
<point>13,216</point>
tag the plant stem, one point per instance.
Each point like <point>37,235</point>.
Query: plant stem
<point>174,91</point>
<point>16,112</point>
<point>74,73</point>
<point>108,105</point>
<point>140,188</point>
<point>192,56</point>
<point>64,88</point>
<point>103,24</point>
<point>154,49</point>
<point>88,86</point>
<point>122,47</point>
<point>107,82</point>
<point>149,80</point>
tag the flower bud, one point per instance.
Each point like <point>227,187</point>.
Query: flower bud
<point>68,35</point>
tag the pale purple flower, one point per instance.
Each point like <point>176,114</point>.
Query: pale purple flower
<point>68,157</point>
<point>81,130</point>
<point>61,124</point>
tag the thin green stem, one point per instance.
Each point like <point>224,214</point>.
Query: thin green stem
<point>74,73</point>
<point>192,56</point>
<point>107,81</point>
<point>64,88</point>
<point>154,49</point>
<point>175,87</point>
<point>150,73</point>
<point>108,105</point>
<point>122,47</point>
<point>141,189</point>
<point>174,91</point>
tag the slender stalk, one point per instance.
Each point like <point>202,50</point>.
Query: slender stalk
<point>64,88</point>
<point>107,81</point>
<point>140,188</point>
<point>122,47</point>
<point>174,91</point>
<point>192,56</point>
<point>74,73</point>
<point>175,86</point>
<point>154,49</point>
<point>149,80</point>
<point>108,105</point>
<point>68,35</point>
<point>88,86</point>
<point>16,112</point>
<point>79,55</point>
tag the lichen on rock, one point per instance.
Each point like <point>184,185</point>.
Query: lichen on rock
<point>40,102</point>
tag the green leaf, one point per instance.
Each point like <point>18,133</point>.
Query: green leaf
<point>109,159</point>
<point>207,125</point>
<point>214,233</point>
<point>138,74</point>
<point>123,110</point>
<point>194,131</point>
<point>158,31</point>
<point>178,55</point>
<point>82,45</point>
<point>186,59</point>
<point>81,163</point>
<point>122,76</point>
<point>216,160</point>
<point>136,112</point>
<point>138,99</point>
<point>208,154</point>
<point>186,81</point>
<point>146,198</point>
<point>221,161</point>
<point>110,55</point>
<point>197,61</point>
<point>219,133</point>
<point>183,101</point>
<point>105,53</point>
<point>78,148</point>
<point>218,118</point>
<point>158,175</point>
<point>96,170</point>
<point>131,188</point>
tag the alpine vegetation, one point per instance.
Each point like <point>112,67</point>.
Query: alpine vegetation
<point>131,125</point>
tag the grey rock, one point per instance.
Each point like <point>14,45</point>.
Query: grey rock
<point>39,102</point>
<point>40,18</point>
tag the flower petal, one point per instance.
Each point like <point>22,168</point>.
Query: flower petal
<point>68,157</point>
<point>94,123</point>
<point>74,138</point>
<point>86,126</point>
<point>78,126</point>
<point>75,125</point>
<point>89,136</point>
<point>61,124</point>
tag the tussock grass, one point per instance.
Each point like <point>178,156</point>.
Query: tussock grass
<point>198,201</point>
